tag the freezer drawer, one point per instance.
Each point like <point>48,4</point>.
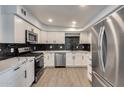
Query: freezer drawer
<point>60,60</point>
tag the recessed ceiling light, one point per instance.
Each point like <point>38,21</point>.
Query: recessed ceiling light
<point>82,5</point>
<point>50,20</point>
<point>74,22</point>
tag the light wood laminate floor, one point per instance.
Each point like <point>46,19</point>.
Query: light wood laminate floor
<point>64,77</point>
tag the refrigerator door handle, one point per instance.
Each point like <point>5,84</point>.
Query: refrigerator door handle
<point>100,48</point>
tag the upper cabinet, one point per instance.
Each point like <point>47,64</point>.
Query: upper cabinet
<point>43,37</point>
<point>19,30</point>
<point>52,37</point>
<point>56,37</point>
<point>84,37</point>
<point>60,37</point>
<point>13,29</point>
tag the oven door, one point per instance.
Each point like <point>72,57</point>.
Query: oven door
<point>39,68</point>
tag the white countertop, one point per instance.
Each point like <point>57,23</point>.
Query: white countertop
<point>8,64</point>
<point>61,51</point>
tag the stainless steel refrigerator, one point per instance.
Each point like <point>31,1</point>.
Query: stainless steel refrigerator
<point>108,51</point>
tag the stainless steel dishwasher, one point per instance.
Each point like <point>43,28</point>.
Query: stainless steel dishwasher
<point>60,60</point>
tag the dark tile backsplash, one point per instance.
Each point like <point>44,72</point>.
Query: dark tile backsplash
<point>6,48</point>
<point>9,50</point>
<point>85,47</point>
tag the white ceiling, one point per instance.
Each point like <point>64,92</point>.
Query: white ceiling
<point>63,15</point>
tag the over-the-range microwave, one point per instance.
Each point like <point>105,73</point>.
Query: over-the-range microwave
<point>31,37</point>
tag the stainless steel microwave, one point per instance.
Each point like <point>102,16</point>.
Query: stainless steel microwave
<point>31,37</point>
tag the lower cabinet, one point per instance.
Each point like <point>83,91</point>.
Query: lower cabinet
<point>76,59</point>
<point>6,79</point>
<point>49,60</point>
<point>70,58</point>
<point>20,76</point>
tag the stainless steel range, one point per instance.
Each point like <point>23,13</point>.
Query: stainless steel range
<point>38,58</point>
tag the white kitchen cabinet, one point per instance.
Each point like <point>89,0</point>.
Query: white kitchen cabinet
<point>13,29</point>
<point>70,59</point>
<point>29,71</point>
<point>79,60</point>
<point>19,76</point>
<point>51,37</point>
<point>43,37</point>
<point>6,79</point>
<point>20,28</point>
<point>56,37</point>
<point>84,37</point>
<point>76,59</point>
<point>49,60</point>
<point>60,37</point>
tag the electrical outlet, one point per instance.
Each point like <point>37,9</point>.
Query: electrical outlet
<point>76,46</point>
<point>51,47</point>
<point>83,47</point>
<point>12,50</point>
<point>35,48</point>
<point>60,47</point>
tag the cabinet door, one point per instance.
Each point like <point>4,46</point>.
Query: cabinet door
<point>20,27</point>
<point>43,37</point>
<point>29,71</point>
<point>60,37</point>
<point>70,59</point>
<point>83,37</point>
<point>79,60</point>
<point>51,36</point>
<point>49,60</point>
<point>19,76</point>
<point>6,79</point>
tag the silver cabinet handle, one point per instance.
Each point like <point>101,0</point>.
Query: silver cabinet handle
<point>25,74</point>
<point>16,68</point>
